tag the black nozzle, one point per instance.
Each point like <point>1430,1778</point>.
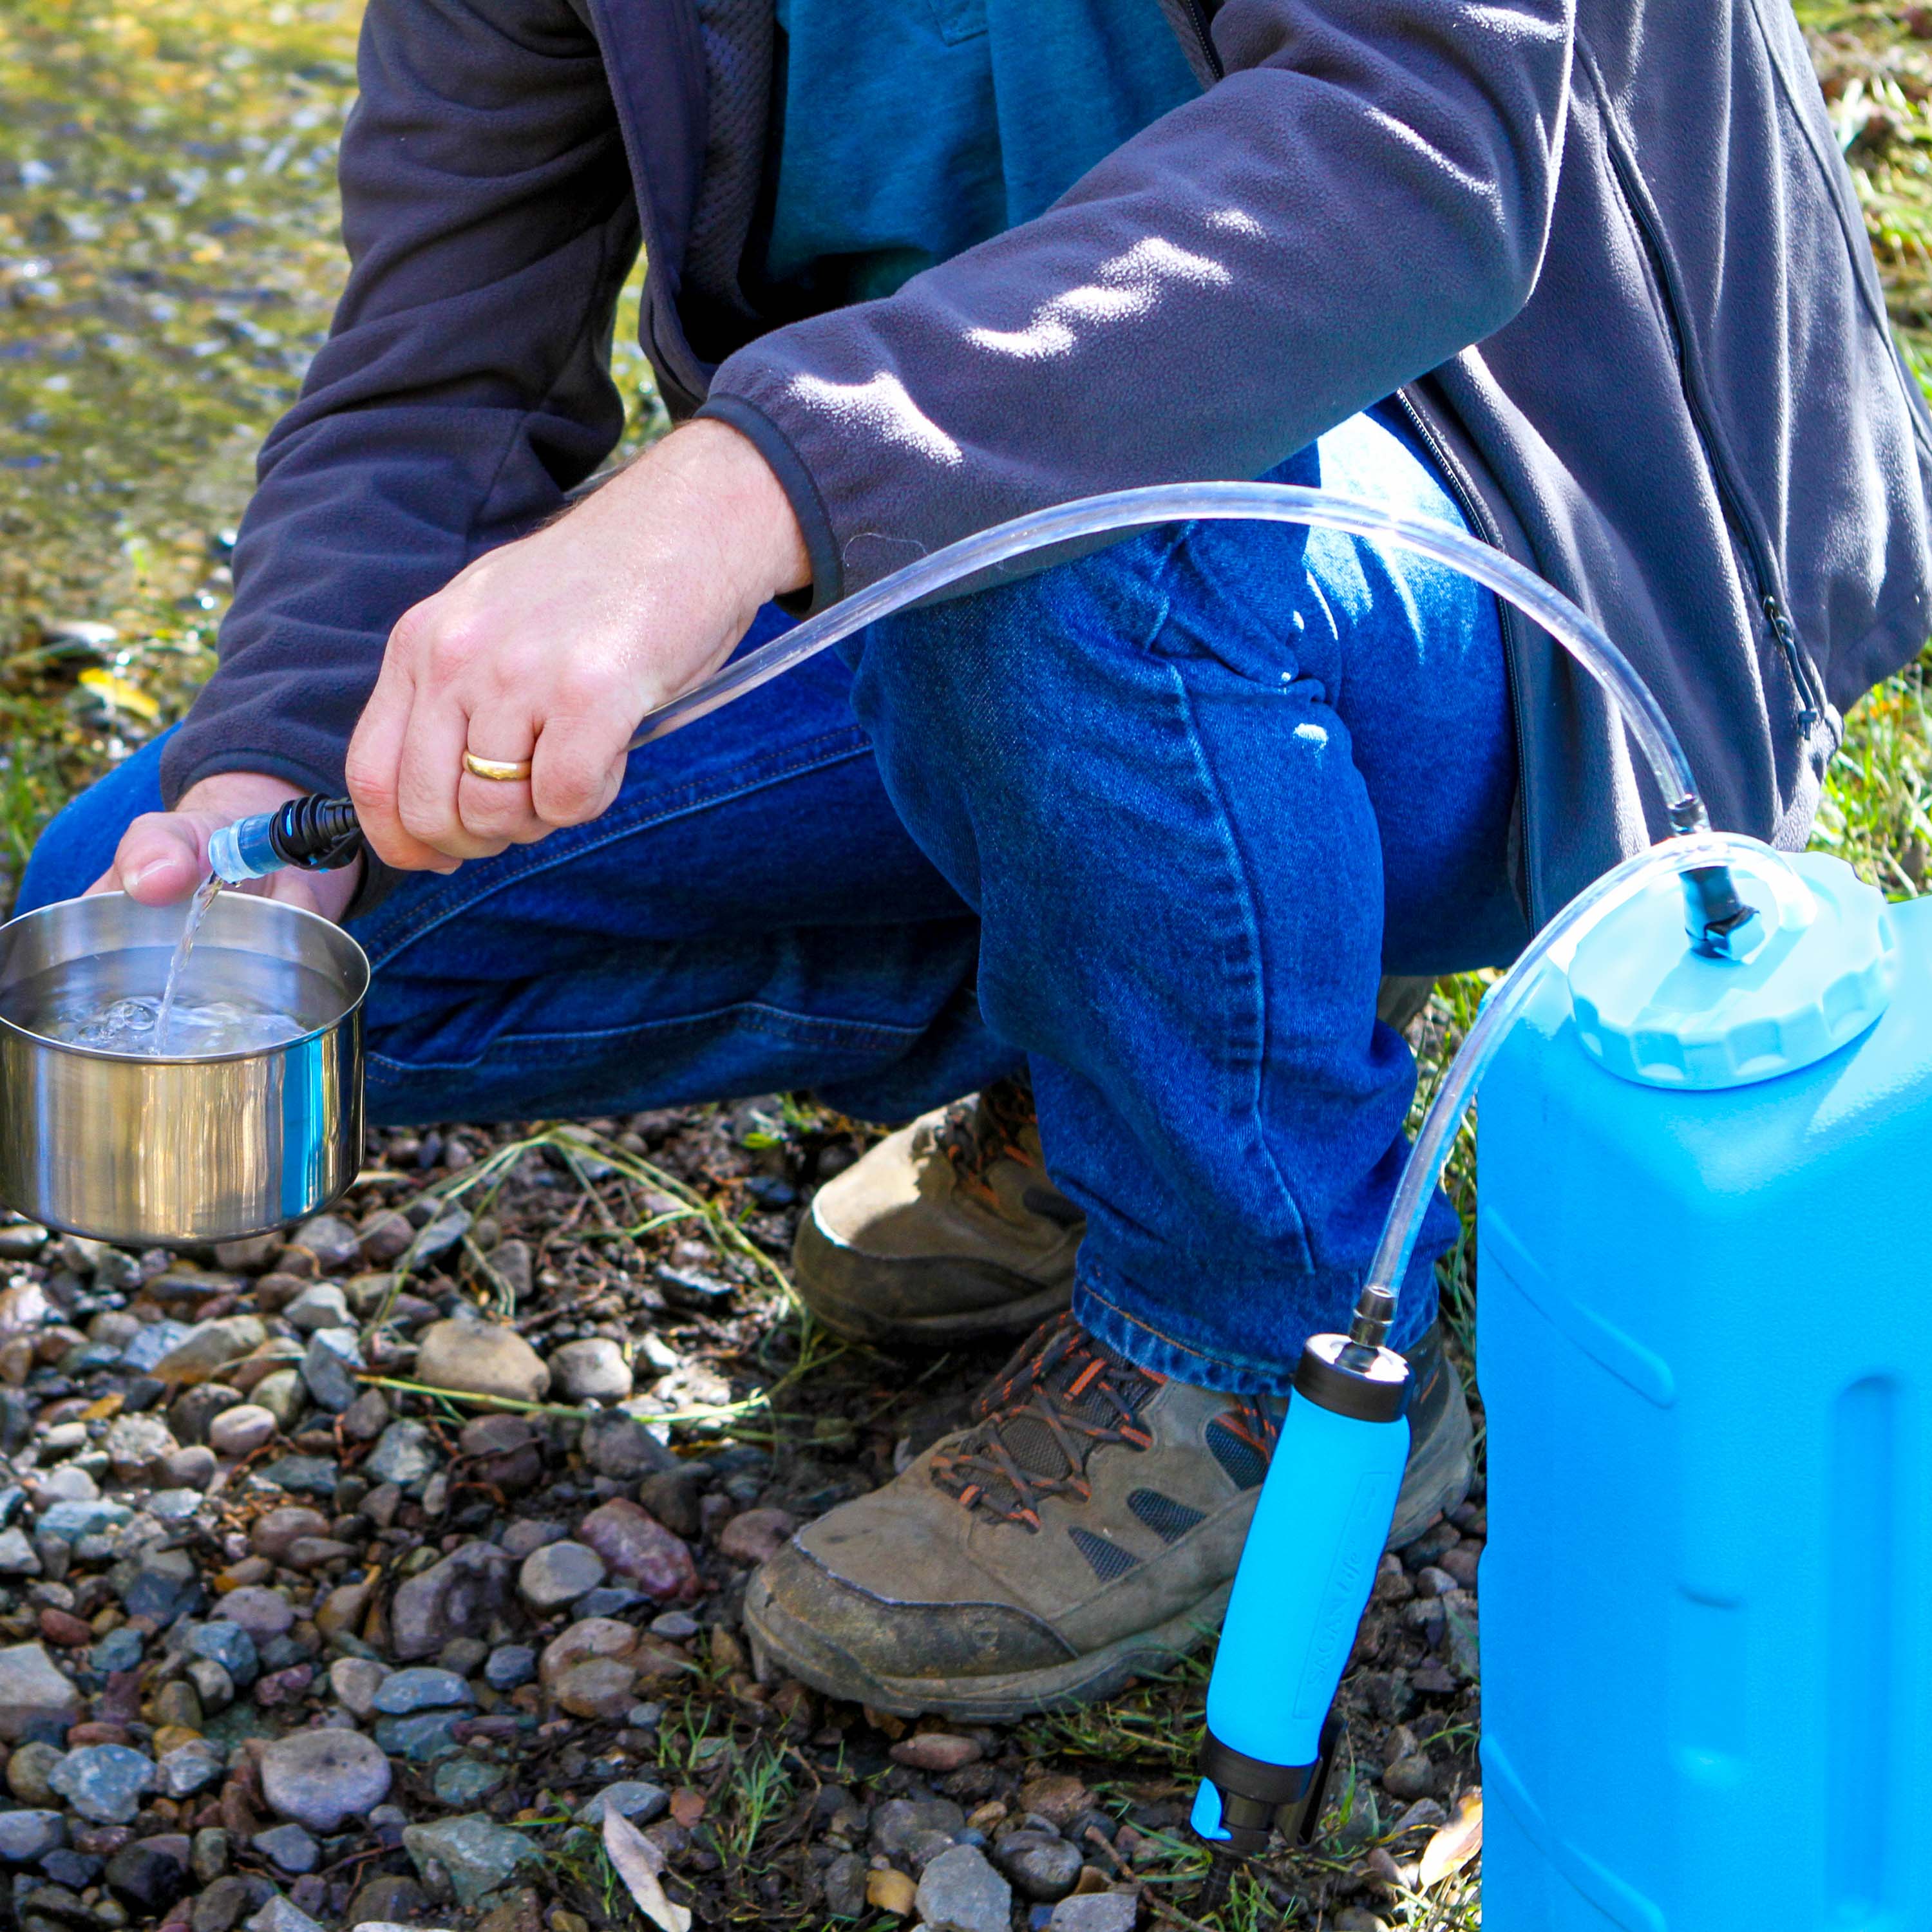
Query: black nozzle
<point>1258,1798</point>
<point>316,834</point>
<point>1715,915</point>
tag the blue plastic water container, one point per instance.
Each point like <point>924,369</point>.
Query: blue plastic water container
<point>1705,1346</point>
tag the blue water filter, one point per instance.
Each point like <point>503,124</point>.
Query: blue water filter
<point>1704,1347</point>
<point>1309,1562</point>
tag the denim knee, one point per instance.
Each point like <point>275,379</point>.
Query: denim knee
<point>78,842</point>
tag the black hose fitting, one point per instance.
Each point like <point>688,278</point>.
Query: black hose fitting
<point>316,834</point>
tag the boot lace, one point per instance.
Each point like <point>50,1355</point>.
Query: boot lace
<point>998,1123</point>
<point>1063,1396</point>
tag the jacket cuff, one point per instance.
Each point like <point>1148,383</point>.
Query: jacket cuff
<point>821,547</point>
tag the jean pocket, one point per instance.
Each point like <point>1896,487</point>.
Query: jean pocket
<point>958,20</point>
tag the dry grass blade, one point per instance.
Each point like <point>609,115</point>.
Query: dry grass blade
<point>641,1865</point>
<point>1454,1844</point>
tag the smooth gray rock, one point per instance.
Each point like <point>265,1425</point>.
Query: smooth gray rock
<point>329,1369</point>
<point>32,1690</point>
<point>558,1574</point>
<point>26,1835</point>
<point>1097,1912</point>
<point>188,1769</point>
<point>459,1597</point>
<point>422,1687</point>
<point>320,1778</point>
<point>320,1305</point>
<point>1042,1864</point>
<point>630,1798</point>
<point>229,1644</point>
<point>280,1915</point>
<point>291,1848</point>
<point>592,1370</point>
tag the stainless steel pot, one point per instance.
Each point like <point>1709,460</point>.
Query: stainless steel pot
<point>169,1151</point>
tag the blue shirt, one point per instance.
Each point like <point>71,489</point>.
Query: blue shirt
<point>912,129</point>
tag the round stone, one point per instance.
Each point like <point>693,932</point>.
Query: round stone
<point>591,1371</point>
<point>480,1358</point>
<point>275,1531</point>
<point>600,1686</point>
<point>558,1574</point>
<point>320,1778</point>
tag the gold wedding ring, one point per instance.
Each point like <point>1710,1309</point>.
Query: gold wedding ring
<point>506,771</point>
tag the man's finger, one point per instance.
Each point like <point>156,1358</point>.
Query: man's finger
<point>578,767</point>
<point>374,770</point>
<point>432,769</point>
<point>499,809</point>
<point>162,856</point>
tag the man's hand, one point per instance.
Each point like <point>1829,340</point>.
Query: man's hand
<point>552,648</point>
<point>163,855</point>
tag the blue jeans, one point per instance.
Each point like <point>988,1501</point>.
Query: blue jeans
<point>1152,823</point>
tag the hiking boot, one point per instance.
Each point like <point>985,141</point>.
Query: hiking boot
<point>1084,1529</point>
<point>948,1231</point>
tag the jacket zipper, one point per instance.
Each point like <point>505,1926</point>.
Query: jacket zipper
<point>1476,515</point>
<point>1200,17</point>
<point>1765,586</point>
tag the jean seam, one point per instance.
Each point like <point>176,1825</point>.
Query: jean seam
<point>613,827</point>
<point>1253,995</point>
<point>1272,1372</point>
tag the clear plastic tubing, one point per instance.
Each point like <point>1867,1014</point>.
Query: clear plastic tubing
<point>983,554</point>
<point>1553,945</point>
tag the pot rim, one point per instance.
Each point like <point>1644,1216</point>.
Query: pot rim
<point>282,908</point>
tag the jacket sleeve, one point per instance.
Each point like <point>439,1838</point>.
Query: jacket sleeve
<point>1365,194</point>
<point>465,385</point>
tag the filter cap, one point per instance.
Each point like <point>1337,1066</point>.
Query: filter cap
<point>1651,1010</point>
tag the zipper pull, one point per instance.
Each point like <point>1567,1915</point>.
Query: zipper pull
<point>1808,713</point>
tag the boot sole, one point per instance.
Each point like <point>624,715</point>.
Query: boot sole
<point>816,1258</point>
<point>1436,1480</point>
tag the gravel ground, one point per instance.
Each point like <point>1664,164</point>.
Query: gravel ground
<point>287,1640</point>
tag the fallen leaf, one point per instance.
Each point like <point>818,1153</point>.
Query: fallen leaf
<point>1452,1846</point>
<point>641,1865</point>
<point>118,695</point>
<point>99,1412</point>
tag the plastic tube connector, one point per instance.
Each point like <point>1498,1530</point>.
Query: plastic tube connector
<point>312,833</point>
<point>244,850</point>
